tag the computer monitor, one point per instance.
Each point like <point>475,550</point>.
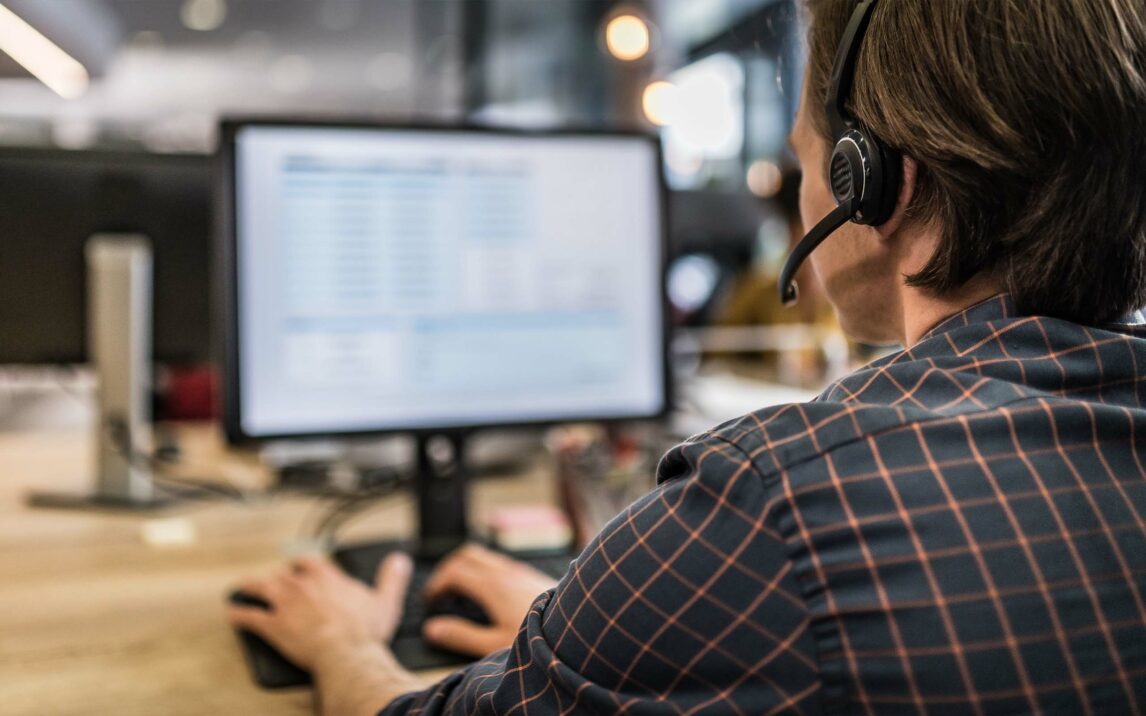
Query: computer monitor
<point>434,281</point>
<point>53,201</point>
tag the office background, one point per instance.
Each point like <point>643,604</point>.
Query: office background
<point>127,120</point>
<point>110,123</point>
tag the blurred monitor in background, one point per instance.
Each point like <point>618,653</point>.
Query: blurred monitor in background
<point>54,201</point>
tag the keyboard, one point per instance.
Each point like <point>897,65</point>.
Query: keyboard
<point>271,670</point>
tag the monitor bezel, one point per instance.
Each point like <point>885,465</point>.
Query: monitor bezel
<point>228,312</point>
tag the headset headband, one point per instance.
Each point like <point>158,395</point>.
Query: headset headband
<point>844,72</point>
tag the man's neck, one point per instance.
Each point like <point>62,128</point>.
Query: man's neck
<point>920,309</point>
<point>923,310</point>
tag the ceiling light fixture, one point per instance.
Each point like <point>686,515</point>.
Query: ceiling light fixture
<point>660,100</point>
<point>203,15</point>
<point>44,59</point>
<point>628,37</point>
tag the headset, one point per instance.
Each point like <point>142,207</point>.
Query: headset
<point>864,172</point>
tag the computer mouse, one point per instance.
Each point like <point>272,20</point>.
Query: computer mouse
<point>247,600</point>
<point>271,669</point>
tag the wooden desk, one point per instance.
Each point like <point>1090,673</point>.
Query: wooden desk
<point>95,621</point>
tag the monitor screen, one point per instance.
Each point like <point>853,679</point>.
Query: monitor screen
<point>398,279</point>
<point>53,201</point>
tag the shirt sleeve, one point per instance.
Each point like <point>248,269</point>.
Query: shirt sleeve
<point>685,602</point>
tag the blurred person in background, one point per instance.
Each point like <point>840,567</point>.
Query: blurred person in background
<point>754,300</point>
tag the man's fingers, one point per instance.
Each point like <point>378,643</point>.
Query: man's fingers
<point>472,554</point>
<point>463,636</point>
<point>392,581</point>
<point>312,565</point>
<point>477,553</point>
<point>461,577</point>
<point>251,618</point>
<point>306,563</point>
<point>268,590</point>
<point>464,570</point>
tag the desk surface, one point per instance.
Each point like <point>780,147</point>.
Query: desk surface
<point>93,620</point>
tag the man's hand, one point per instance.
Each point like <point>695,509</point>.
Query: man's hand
<point>317,611</point>
<point>505,589</point>
<point>337,628</point>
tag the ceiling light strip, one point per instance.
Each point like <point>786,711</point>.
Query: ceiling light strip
<point>61,72</point>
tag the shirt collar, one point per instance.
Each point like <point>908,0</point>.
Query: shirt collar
<point>1001,307</point>
<point>995,308</point>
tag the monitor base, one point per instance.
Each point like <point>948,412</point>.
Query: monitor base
<point>95,502</point>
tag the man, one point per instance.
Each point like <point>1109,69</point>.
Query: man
<point>958,528</point>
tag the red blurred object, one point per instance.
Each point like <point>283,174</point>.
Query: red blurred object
<point>192,393</point>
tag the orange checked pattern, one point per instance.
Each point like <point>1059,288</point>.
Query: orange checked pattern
<point>959,528</point>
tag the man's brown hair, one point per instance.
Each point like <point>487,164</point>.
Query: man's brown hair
<point>1028,121</point>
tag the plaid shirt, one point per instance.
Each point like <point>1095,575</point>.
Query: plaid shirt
<point>959,528</point>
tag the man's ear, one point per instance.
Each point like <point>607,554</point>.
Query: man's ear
<point>906,193</point>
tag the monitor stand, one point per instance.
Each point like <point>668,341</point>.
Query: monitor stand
<point>441,484</point>
<point>119,344</point>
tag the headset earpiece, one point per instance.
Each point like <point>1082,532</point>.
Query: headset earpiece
<point>863,172</point>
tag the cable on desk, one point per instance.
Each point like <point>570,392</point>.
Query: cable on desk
<point>120,437</point>
<point>159,464</point>
<point>374,484</point>
<point>377,484</point>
